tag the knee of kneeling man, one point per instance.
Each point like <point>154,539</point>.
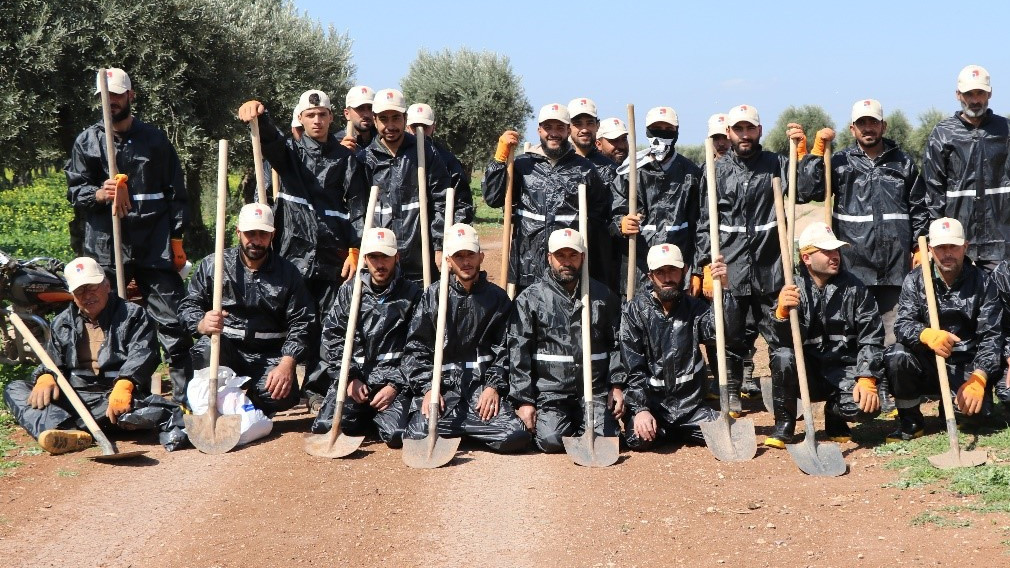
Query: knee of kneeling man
<point>782,358</point>
<point>550,443</point>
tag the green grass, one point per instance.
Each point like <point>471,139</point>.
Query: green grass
<point>33,219</point>
<point>483,214</point>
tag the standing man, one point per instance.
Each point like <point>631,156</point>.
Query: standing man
<point>423,115</point>
<point>612,139</point>
<point>717,132</point>
<point>475,377</point>
<point>266,318</point>
<point>151,203</point>
<point>377,390</point>
<point>546,197</point>
<point>545,348</point>
<point>582,132</point>
<point>360,129</point>
<point>843,342</point>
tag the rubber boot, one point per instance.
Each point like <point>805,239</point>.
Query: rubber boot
<point>784,409</point>
<point>836,428</point>
<point>734,379</point>
<point>62,441</point>
<point>750,388</point>
<point>887,408</point>
<point>911,425</point>
<point>712,392</point>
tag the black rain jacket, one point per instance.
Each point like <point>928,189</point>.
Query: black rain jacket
<point>458,176</point>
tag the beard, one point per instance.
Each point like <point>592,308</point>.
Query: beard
<point>668,294</point>
<point>745,153</point>
<point>253,251</point>
<point>123,113</point>
<point>977,112</point>
<point>554,154</point>
<point>585,147</point>
<point>565,274</point>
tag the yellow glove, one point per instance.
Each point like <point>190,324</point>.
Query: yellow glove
<point>939,341</point>
<point>120,399</point>
<point>508,140</point>
<point>44,391</point>
<point>865,394</point>
<point>696,285</point>
<point>821,139</point>
<point>971,393</point>
<point>789,297</point>
<point>706,281</point>
<point>178,255</point>
<point>795,131</point>
<point>352,255</point>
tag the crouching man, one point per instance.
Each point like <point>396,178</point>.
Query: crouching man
<point>843,342</point>
<point>475,378</point>
<point>660,333</point>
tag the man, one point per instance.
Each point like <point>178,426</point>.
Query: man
<point>546,197</point>
<point>423,115</point>
<point>391,163</point>
<point>360,129</point>
<point>151,204</point>
<point>106,349</point>
<point>717,132</point>
<point>668,196</point>
<point>545,348</point>
<point>968,339</point>
<point>612,139</point>
<point>266,317</point>
<point>582,133</point>
<point>377,390</point>
<point>748,234</point>
<point>475,378</point>
<point>660,333</point>
<point>843,342</point>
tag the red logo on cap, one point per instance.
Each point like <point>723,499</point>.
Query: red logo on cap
<point>554,107</point>
<point>974,72</point>
<point>665,248</point>
<point>946,225</point>
<point>461,232</point>
<point>420,108</point>
<point>259,212</point>
<point>568,232</point>
<point>617,122</point>
<point>743,107</point>
<point>389,94</point>
<point>364,90</point>
<point>80,267</point>
<point>108,74</point>
<point>827,229</point>
<point>662,111</point>
<point>721,119</point>
<point>583,102</point>
<point>380,235</point>
<point>866,103</point>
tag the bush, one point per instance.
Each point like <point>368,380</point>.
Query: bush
<point>34,219</point>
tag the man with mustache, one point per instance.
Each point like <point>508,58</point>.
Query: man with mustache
<point>612,139</point>
<point>360,129</point>
<point>660,334</point>
<point>377,390</point>
<point>420,114</point>
<point>266,314</point>
<point>475,368</point>
<point>546,197</point>
<point>717,132</point>
<point>843,342</point>
<point>545,348</point>
<point>150,200</point>
<point>969,338</point>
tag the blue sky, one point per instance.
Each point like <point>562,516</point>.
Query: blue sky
<point>698,57</point>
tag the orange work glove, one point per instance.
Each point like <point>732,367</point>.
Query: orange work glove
<point>795,131</point>
<point>706,281</point>
<point>865,394</point>
<point>121,200</point>
<point>178,255</point>
<point>508,140</point>
<point>939,341</point>
<point>120,399</point>
<point>696,283</point>
<point>971,393</point>
<point>44,391</point>
<point>821,139</point>
<point>352,255</point>
<point>789,297</point>
<point>630,224</point>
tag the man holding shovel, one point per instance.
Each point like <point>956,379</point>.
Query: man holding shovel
<point>546,352</point>
<point>423,116</point>
<point>377,391</point>
<point>612,139</point>
<point>266,316</point>
<point>150,199</point>
<point>360,129</point>
<point>660,334</point>
<point>968,339</point>
<point>843,342</point>
<point>106,349</point>
<point>475,376</point>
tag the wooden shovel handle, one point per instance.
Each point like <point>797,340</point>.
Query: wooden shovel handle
<point>110,153</point>
<point>934,322</point>
<point>631,285</point>
<point>422,199</point>
<point>257,150</point>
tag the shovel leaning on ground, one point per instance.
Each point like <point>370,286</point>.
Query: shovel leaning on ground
<point>109,451</point>
<point>954,457</point>
<point>336,444</point>
<point>728,439</point>
<point>433,450</point>
<point>211,432</point>
<point>589,449</point>
<point>506,236</point>
<point>819,459</point>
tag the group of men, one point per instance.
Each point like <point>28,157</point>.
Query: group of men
<point>511,366</point>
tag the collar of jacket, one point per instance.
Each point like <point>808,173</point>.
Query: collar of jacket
<point>746,162</point>
<point>833,283</point>
<point>104,318</point>
<point>377,147</point>
<point>559,288</point>
<point>315,146</point>
<point>937,279</point>
<point>857,150</point>
<point>985,119</point>
<point>267,266</point>
<point>478,284</point>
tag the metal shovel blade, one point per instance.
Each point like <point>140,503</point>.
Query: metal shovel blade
<point>429,452</point>
<point>590,450</point>
<point>213,436</point>
<point>114,457</point>
<point>329,446</point>
<point>730,439</point>
<point>955,457</point>
<point>822,460</point>
<point>766,394</point>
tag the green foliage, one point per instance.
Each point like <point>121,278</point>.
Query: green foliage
<point>917,140</point>
<point>693,152</point>
<point>475,97</point>
<point>899,129</point>
<point>811,117</point>
<point>33,220</point>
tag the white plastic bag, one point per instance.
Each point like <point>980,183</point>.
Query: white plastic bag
<point>231,399</point>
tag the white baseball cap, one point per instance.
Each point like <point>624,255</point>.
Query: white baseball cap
<point>82,271</point>
<point>819,234</point>
<point>460,237</point>
<point>313,98</point>
<point>970,78</point>
<point>554,111</point>
<point>565,238</point>
<point>661,114</point>
<point>358,95</point>
<point>665,255</point>
<point>255,217</point>
<point>119,81</point>
<point>717,124</point>
<point>867,107</point>
<point>420,113</point>
<point>388,99</point>
<point>743,113</point>
<point>379,240</point>
<point>611,129</point>
<point>295,123</point>
<point>946,231</point>
<point>582,106</point>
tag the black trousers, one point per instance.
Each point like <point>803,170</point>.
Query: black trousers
<point>685,429</point>
<point>913,374</point>
<point>253,364</point>
<point>557,419</point>
<point>830,384</point>
<point>503,433</point>
<point>358,417</point>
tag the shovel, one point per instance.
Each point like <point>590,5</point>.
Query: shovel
<point>110,152</point>
<point>827,184</point>
<point>210,432</point>
<point>433,450</point>
<point>588,449</point>
<point>824,459</point>
<point>109,451</point>
<point>728,439</point>
<point>954,457</point>
<point>335,444</point>
<point>422,200</point>
<point>506,236</point>
<point>261,182</point>
<point>629,289</point>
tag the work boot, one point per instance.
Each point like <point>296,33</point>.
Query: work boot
<point>751,388</point>
<point>887,408</point>
<point>62,441</point>
<point>313,403</point>
<point>836,428</point>
<point>911,425</point>
<point>712,391</point>
<point>734,379</point>
<point>784,409</point>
